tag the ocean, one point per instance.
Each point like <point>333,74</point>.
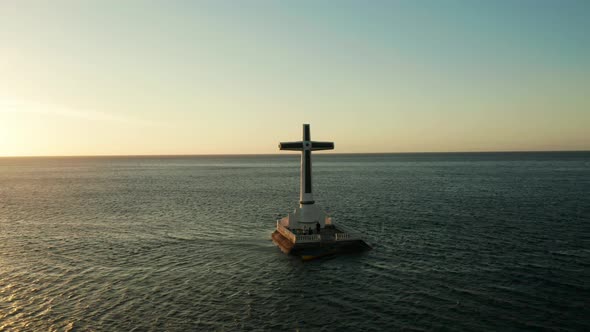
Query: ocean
<point>461,242</point>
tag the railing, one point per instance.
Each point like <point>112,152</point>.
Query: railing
<point>346,236</point>
<point>285,232</point>
<point>342,236</point>
<point>308,238</point>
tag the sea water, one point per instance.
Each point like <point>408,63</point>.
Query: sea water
<point>482,241</point>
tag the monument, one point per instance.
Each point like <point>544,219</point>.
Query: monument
<point>308,232</point>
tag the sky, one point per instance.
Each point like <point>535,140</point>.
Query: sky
<point>237,77</point>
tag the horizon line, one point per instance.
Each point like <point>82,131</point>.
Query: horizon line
<point>285,154</point>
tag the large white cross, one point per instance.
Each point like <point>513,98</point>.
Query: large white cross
<point>306,146</point>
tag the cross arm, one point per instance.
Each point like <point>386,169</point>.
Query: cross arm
<point>315,146</point>
<point>292,146</point>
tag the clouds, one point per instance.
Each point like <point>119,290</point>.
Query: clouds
<point>20,107</point>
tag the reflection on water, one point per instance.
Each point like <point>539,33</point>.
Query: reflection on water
<point>467,241</point>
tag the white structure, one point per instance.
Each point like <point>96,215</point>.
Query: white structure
<point>308,232</point>
<point>307,214</point>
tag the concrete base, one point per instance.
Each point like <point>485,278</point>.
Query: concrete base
<point>311,250</point>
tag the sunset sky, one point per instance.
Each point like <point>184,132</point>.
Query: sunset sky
<point>221,77</point>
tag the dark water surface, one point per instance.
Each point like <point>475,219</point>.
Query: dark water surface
<point>497,241</point>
